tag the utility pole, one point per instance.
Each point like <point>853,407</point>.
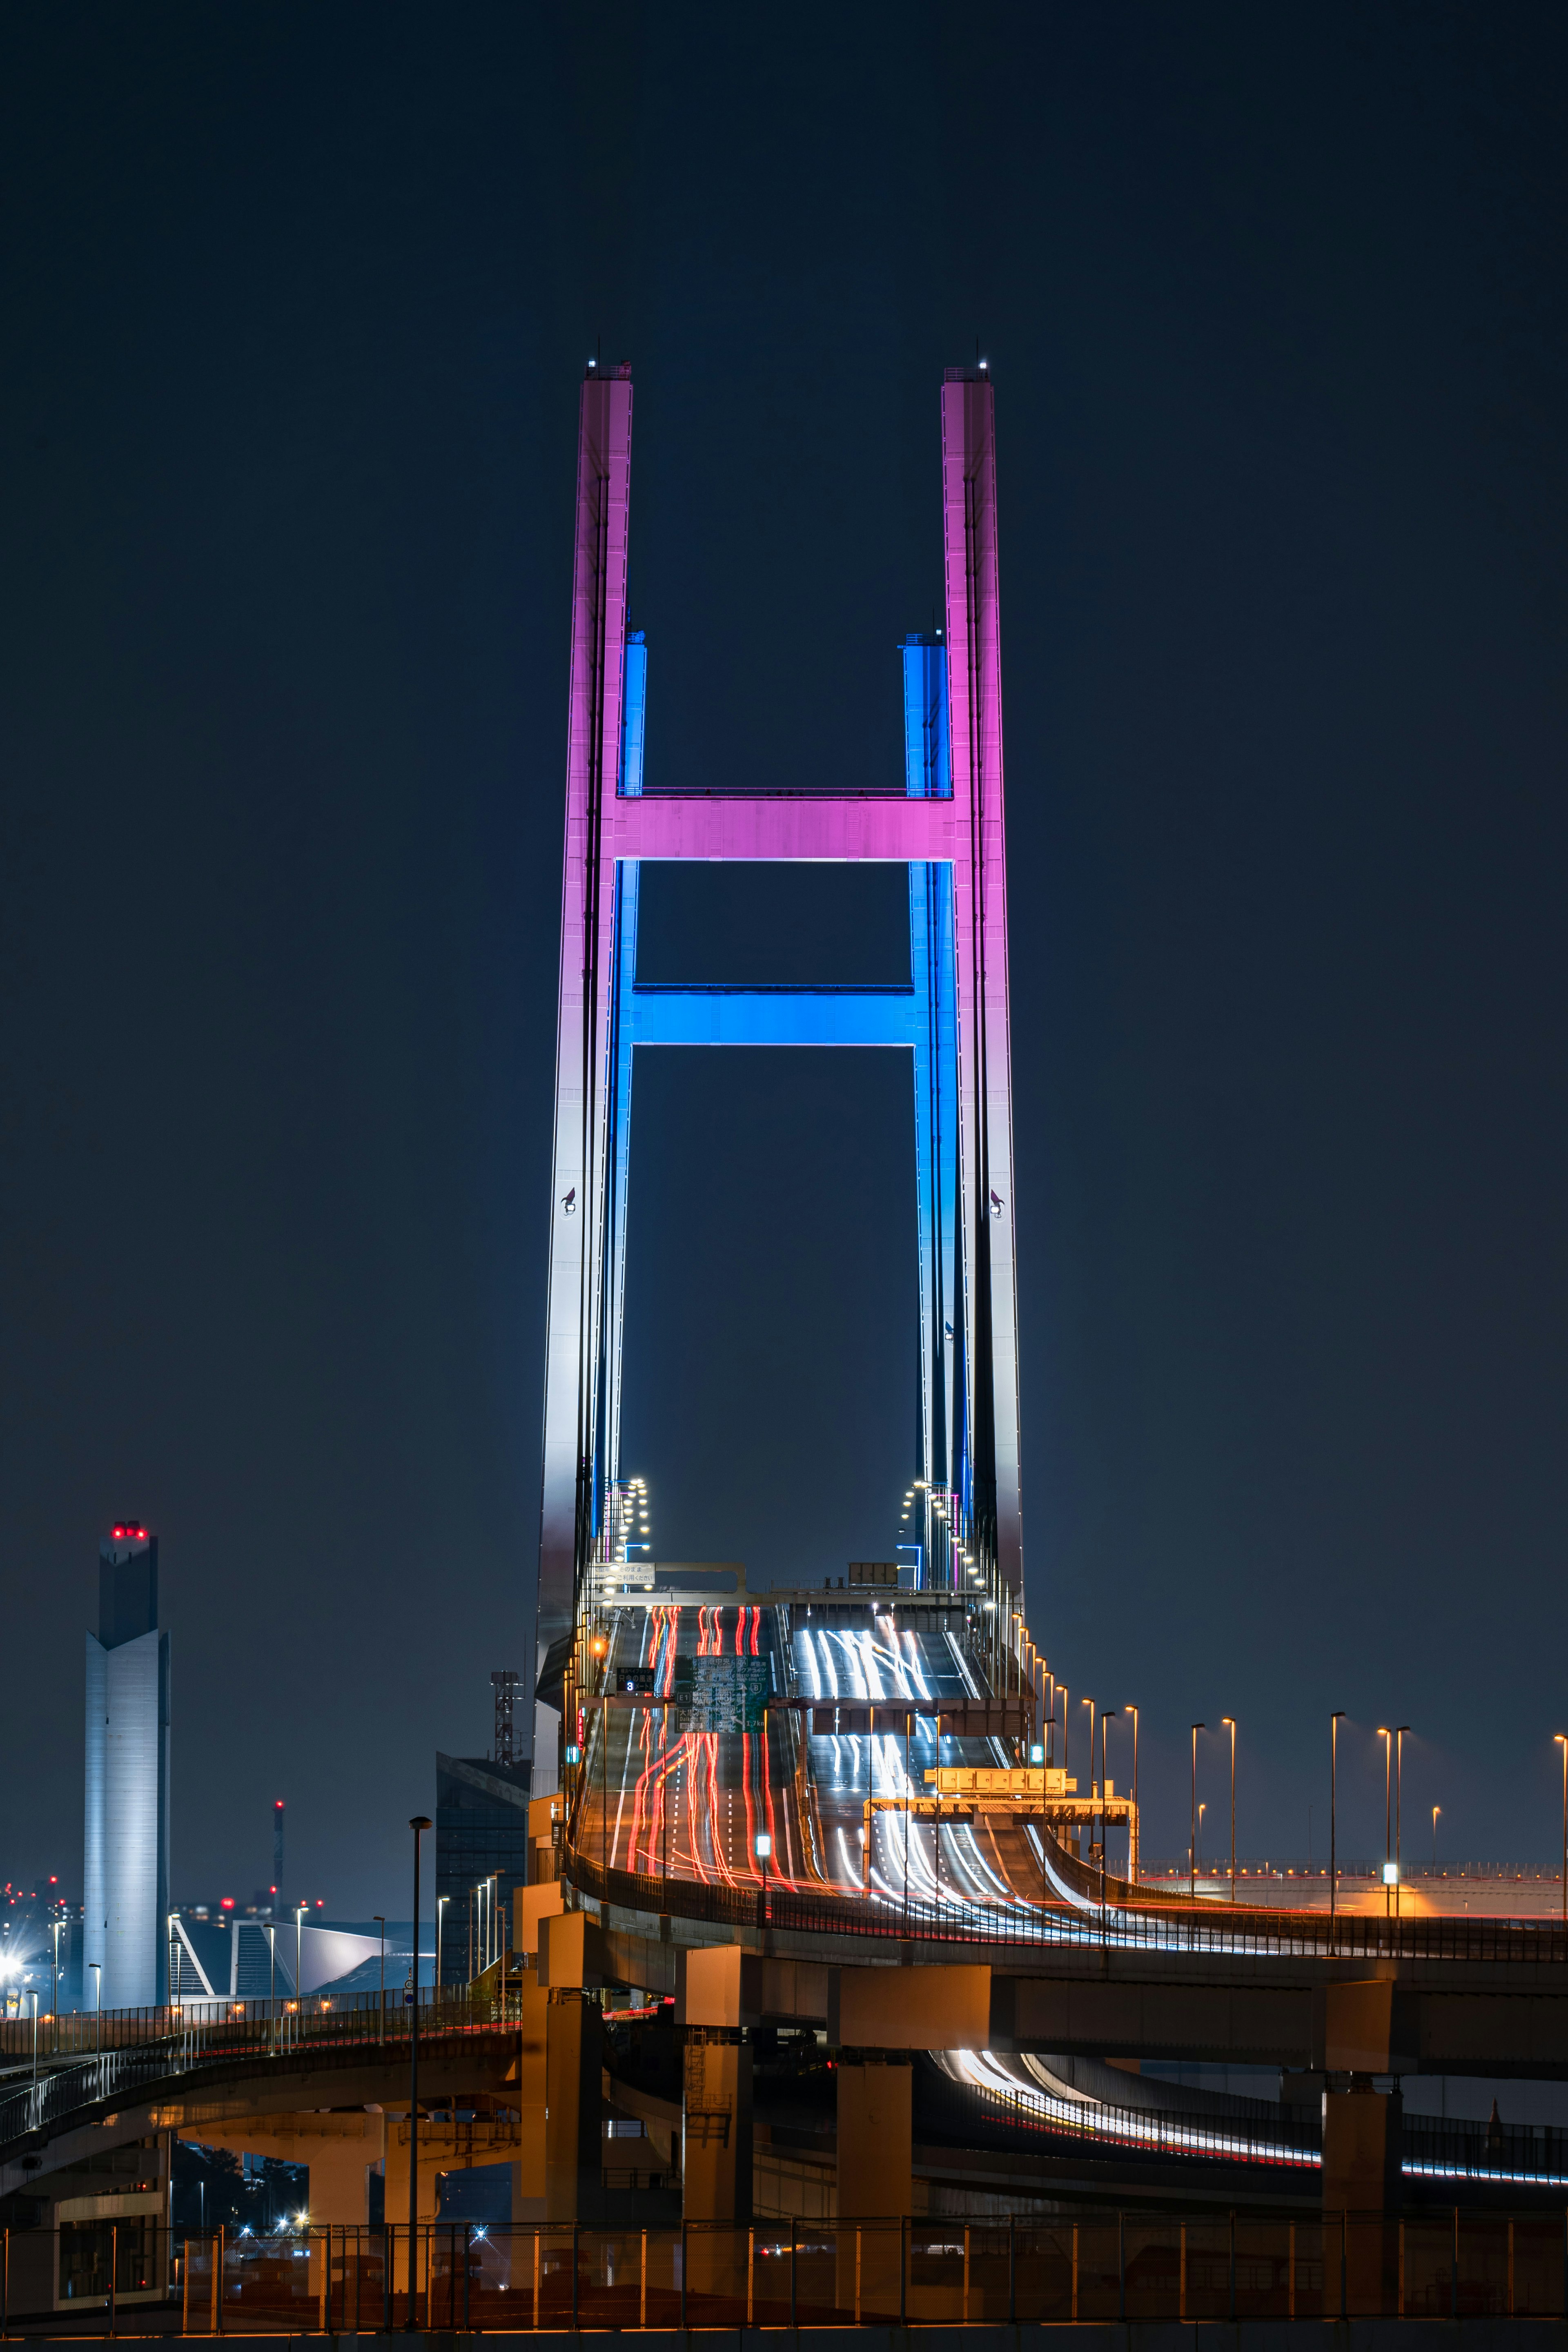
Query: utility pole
<point>504,1681</point>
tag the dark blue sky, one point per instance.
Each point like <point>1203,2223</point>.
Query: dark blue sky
<point>297,302</point>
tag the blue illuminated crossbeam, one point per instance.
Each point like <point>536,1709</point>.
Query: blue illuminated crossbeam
<point>734,1015</point>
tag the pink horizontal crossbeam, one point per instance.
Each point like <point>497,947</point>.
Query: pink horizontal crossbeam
<point>868,828</point>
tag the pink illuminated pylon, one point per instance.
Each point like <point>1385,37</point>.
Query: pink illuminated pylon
<point>610,832</point>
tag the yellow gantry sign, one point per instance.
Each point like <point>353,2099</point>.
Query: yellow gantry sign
<point>1012,1781</point>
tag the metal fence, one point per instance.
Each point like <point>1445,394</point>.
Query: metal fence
<point>1511,2154</point>
<point>1109,2265</point>
<point>86,2266</point>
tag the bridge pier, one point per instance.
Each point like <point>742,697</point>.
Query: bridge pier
<point>875,2175</point>
<point>340,2150</point>
<point>716,2151</point>
<point>716,2125</point>
<point>574,2160</point>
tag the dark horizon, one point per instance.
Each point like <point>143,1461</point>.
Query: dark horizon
<point>1275,318</point>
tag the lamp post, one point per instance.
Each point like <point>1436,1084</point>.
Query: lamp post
<point>1387,1739</point>
<point>1089,1703</point>
<point>1137,1819</point>
<point>1335,1720</point>
<point>1230,1721</point>
<point>1192,1840</point>
<point>1560,1739</point>
<point>441,1903</point>
<point>1398,1811</point>
<point>1104,1794</point>
<point>1203,1809</point>
<point>418,1823</point>
<point>34,1991</point>
<point>381,2003</point>
<point>56,1926</point>
<point>95,1970</point>
<point>299,1970</point>
<point>764,1848</point>
<point>1066,1719</point>
<point>1435,1811</point>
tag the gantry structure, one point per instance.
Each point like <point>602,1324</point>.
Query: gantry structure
<point>951,1016</point>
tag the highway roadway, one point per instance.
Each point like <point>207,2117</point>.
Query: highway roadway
<point>691,1805</point>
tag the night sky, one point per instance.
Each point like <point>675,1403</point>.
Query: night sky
<point>297,301</point>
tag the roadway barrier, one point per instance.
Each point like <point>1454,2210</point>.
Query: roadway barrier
<point>141,2046</point>
<point>1108,2265</point>
<point>1201,1927</point>
<point>1018,2120</point>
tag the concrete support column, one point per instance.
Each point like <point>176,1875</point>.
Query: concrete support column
<point>340,2176</point>
<point>528,2082</point>
<point>716,2150</point>
<point>573,2188</point>
<point>1363,2150</point>
<point>716,2126</point>
<point>876,2178</point>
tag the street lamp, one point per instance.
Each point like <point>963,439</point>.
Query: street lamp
<point>1132,1840</point>
<point>1335,1720</point>
<point>418,1823</point>
<point>1437,1809</point>
<point>1560,1739</point>
<point>1202,1811</point>
<point>1193,1842</point>
<point>1104,1794</point>
<point>299,1969</point>
<point>381,2010</point>
<point>1089,1703</point>
<point>1387,1739</point>
<point>1230,1721</point>
<point>1398,1809</point>
<point>55,1980</point>
<point>764,1847</point>
<point>95,1969</point>
<point>441,1903</point>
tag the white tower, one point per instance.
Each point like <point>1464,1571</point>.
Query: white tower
<point>126,1874</point>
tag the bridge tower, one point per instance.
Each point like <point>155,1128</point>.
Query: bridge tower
<point>947,827</point>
